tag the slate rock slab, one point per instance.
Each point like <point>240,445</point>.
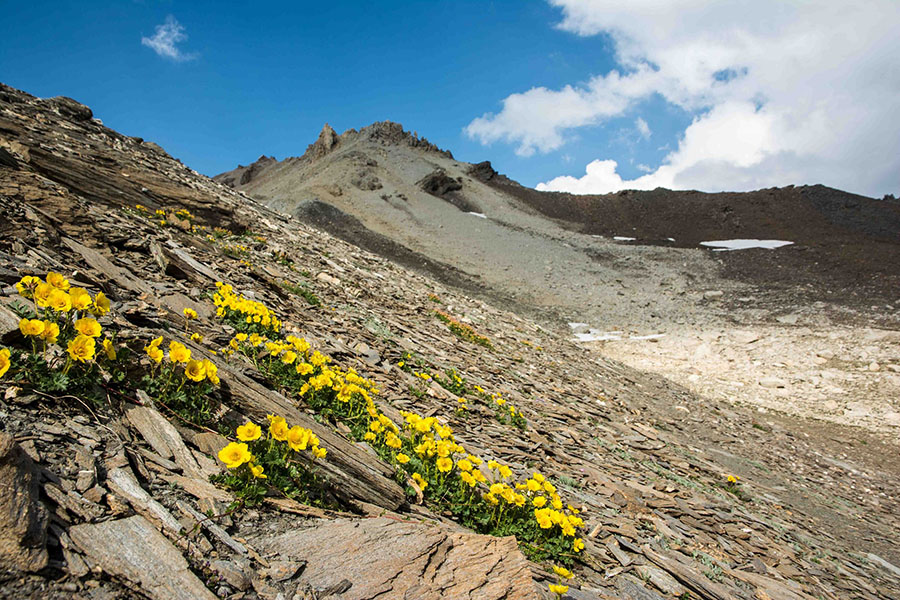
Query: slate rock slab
<point>135,551</point>
<point>388,559</point>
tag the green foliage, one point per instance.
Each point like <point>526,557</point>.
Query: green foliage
<point>302,291</point>
<point>192,401</point>
<point>453,383</point>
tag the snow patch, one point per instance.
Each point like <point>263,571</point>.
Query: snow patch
<point>595,335</point>
<point>479,215</point>
<point>728,245</point>
<point>621,238</point>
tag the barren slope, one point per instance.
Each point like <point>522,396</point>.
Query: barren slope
<point>645,460</point>
<point>809,329</point>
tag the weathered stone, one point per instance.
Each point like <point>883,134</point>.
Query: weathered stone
<point>232,573</point>
<point>163,438</point>
<point>393,559</point>
<point>135,551</point>
<point>121,481</point>
<point>23,519</point>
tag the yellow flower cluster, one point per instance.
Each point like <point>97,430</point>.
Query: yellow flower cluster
<point>59,296</point>
<point>242,312</point>
<point>63,308</point>
<point>294,364</point>
<point>254,454</point>
<point>439,456</point>
<point>179,354</point>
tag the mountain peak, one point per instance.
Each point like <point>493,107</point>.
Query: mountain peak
<point>325,143</point>
<point>389,132</point>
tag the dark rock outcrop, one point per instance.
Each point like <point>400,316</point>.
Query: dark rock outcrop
<point>438,183</point>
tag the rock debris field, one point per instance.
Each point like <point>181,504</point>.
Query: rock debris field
<point>108,493</point>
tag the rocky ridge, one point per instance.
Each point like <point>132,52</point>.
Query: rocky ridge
<point>646,460</point>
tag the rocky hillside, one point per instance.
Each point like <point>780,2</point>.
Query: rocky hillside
<point>204,397</point>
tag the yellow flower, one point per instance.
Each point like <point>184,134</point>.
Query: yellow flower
<point>444,464</point>
<point>82,348</point>
<point>420,481</point>
<point>369,436</point>
<point>195,370</point>
<point>392,441</point>
<point>32,327</point>
<point>539,501</point>
<point>234,455</point>
<point>542,515</point>
<point>4,361</point>
<point>562,572</point>
<point>248,432</point>
<point>493,464</point>
<point>298,438</point>
<point>464,465</point>
<point>101,304</point>
<point>278,428</point>
<point>42,294</point>
<point>109,349</point>
<point>257,471</point>
<point>402,458</point>
<point>288,357</point>
<point>196,337</point>
<point>50,333</point>
<point>212,371</point>
<point>190,314</point>
<point>27,285</point>
<point>155,354</point>
<point>59,300</point>
<point>468,478</point>
<point>733,478</point>
<point>178,353</point>
<point>505,472</point>
<point>558,589</point>
<point>578,545</point>
<point>319,452</point>
<point>81,299</point>
<point>88,327</point>
<point>57,281</point>
<point>492,499</point>
<point>538,477</point>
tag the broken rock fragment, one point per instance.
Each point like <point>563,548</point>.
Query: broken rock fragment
<point>23,519</point>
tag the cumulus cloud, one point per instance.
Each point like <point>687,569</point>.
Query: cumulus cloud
<point>781,93</point>
<point>166,39</point>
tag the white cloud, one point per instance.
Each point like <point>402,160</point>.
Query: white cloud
<point>166,39</point>
<point>782,93</point>
<point>642,128</point>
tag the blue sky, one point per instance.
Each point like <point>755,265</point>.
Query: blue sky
<point>548,91</point>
